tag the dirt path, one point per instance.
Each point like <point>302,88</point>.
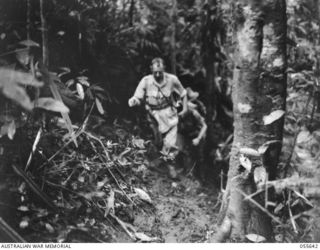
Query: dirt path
<point>184,210</point>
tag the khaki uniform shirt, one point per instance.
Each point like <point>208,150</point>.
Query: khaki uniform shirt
<point>160,95</point>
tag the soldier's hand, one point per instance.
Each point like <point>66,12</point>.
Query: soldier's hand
<point>133,102</point>
<point>195,141</point>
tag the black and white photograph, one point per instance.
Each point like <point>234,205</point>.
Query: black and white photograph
<point>159,121</point>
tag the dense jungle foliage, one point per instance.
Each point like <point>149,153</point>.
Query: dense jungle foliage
<point>77,163</point>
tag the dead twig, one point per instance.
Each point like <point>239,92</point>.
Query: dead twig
<point>116,167</point>
<point>34,147</point>
<point>100,142</point>
<point>290,214</point>
<point>192,168</point>
<point>125,226</point>
<point>266,191</point>
<point>303,198</point>
<point>221,193</point>
<point>254,194</point>
<point>219,201</point>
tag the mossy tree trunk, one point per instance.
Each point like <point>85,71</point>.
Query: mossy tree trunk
<point>259,89</point>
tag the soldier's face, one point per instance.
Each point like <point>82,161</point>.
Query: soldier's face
<point>157,71</point>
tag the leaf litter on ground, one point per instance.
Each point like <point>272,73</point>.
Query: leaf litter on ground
<point>86,184</point>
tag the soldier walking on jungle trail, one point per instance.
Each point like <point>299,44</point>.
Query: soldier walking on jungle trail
<point>192,132</point>
<point>156,90</point>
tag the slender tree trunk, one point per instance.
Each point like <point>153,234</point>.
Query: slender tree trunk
<point>79,34</point>
<point>209,90</point>
<point>208,50</point>
<point>316,213</point>
<point>44,35</point>
<point>173,37</point>
<point>259,89</point>
<point>28,19</point>
<point>317,62</point>
<point>208,60</point>
<point>45,51</point>
<point>131,13</point>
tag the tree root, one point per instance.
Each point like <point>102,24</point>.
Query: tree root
<point>224,231</point>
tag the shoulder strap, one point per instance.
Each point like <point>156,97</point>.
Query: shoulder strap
<point>166,97</point>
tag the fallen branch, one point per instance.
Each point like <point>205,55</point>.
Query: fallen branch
<point>34,187</point>
<point>9,233</point>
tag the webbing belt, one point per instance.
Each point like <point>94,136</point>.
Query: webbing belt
<point>160,106</point>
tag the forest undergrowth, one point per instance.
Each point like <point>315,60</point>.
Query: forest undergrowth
<point>101,191</point>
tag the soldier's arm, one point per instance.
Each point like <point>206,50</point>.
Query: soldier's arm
<point>203,129</point>
<point>139,94</point>
<point>181,91</point>
<point>184,106</point>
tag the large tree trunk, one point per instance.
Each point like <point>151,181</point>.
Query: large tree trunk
<point>259,89</point>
